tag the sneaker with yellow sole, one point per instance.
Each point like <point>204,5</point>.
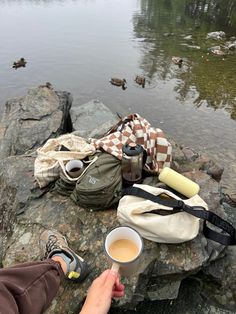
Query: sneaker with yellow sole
<point>54,243</point>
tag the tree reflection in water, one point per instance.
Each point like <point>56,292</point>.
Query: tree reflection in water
<point>179,28</point>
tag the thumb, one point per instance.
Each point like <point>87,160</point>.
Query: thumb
<point>103,276</point>
<point>111,279</point>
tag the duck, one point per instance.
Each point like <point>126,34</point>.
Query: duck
<point>47,85</point>
<point>20,63</point>
<point>140,80</point>
<point>118,82</point>
<point>177,60</point>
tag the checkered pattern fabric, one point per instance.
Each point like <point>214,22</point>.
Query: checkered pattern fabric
<point>135,129</point>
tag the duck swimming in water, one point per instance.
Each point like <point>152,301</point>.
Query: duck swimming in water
<point>118,82</point>
<point>47,85</point>
<point>20,63</point>
<point>140,80</point>
<point>177,61</point>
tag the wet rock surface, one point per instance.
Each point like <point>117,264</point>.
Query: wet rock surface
<point>92,119</point>
<point>30,120</point>
<point>164,268</point>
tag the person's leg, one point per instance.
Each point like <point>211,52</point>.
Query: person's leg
<point>30,287</point>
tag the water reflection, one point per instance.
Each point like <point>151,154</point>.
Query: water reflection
<point>179,28</point>
<point>79,45</point>
<point>44,3</point>
<point>35,2</point>
<point>220,13</point>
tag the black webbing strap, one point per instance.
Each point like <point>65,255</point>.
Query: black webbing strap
<point>197,211</point>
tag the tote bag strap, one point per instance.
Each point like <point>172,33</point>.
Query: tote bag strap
<point>197,211</point>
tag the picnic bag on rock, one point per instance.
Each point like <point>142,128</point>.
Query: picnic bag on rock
<point>161,216</point>
<point>100,186</point>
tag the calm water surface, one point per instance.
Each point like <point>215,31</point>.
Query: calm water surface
<point>79,45</point>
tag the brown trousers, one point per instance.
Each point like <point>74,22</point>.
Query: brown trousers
<point>29,288</point>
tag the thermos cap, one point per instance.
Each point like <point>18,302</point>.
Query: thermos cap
<point>178,182</point>
<point>132,149</point>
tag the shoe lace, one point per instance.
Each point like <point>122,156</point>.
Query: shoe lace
<point>51,244</point>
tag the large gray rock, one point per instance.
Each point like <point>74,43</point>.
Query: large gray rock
<point>92,119</point>
<point>162,266</point>
<point>30,120</point>
<point>27,211</point>
<point>222,289</point>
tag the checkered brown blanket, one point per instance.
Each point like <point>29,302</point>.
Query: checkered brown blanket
<point>135,129</point>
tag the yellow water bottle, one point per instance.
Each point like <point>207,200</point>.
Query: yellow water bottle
<point>178,182</point>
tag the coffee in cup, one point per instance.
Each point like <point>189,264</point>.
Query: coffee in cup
<point>124,245</point>
<point>74,168</point>
<point>123,250</point>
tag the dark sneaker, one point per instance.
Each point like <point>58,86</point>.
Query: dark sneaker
<point>53,242</point>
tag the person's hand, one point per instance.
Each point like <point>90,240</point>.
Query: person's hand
<point>102,290</point>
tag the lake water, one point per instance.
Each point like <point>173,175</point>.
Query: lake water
<point>79,45</point>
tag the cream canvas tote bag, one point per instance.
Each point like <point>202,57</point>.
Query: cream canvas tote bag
<point>172,227</point>
<point>50,159</point>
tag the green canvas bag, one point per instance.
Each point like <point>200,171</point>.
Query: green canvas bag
<point>100,186</point>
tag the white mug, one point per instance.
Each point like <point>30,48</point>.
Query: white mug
<point>74,168</point>
<point>125,268</point>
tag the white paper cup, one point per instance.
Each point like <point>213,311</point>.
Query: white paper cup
<point>121,233</point>
<point>74,168</point>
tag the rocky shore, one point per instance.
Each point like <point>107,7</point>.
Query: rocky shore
<point>27,210</point>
